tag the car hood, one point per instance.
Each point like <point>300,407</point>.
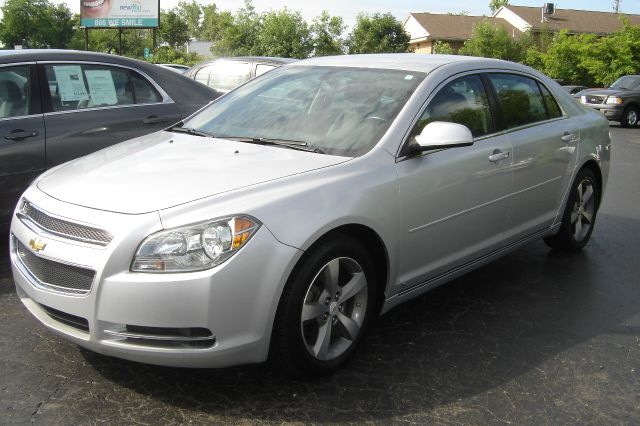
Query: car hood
<point>164,169</point>
<point>604,92</point>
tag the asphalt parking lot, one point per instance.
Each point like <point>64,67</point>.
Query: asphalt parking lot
<point>538,337</point>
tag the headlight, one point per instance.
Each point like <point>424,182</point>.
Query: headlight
<point>613,100</point>
<point>583,99</point>
<point>194,247</point>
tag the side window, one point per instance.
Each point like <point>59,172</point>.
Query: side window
<point>553,109</point>
<point>520,99</point>
<point>226,75</point>
<point>202,75</point>
<point>262,68</point>
<point>76,86</point>
<point>144,91</point>
<point>463,101</point>
<point>14,91</point>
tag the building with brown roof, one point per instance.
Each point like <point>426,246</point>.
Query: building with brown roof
<point>427,28</point>
<point>574,21</point>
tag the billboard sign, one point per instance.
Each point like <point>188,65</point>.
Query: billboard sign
<point>119,13</point>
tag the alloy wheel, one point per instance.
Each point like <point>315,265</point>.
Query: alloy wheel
<point>583,210</point>
<point>632,118</point>
<point>334,308</point>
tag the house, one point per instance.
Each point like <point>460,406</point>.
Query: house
<point>425,29</point>
<point>574,21</point>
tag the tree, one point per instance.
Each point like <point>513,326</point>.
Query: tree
<point>492,41</point>
<point>326,35</point>
<point>190,12</point>
<point>38,23</point>
<point>564,59</point>
<point>214,23</point>
<point>168,55</point>
<point>173,29</point>
<point>239,38</point>
<point>379,33</point>
<point>494,5</point>
<point>283,33</point>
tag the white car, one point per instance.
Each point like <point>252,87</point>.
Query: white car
<point>277,221</point>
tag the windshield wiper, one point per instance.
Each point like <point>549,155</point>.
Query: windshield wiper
<point>190,131</point>
<point>286,143</point>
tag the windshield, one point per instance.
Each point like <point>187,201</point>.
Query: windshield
<point>338,111</point>
<point>626,83</point>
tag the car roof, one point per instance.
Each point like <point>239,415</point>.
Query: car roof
<point>262,59</point>
<point>7,56</point>
<point>415,62</point>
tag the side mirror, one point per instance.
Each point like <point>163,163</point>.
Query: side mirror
<point>442,134</point>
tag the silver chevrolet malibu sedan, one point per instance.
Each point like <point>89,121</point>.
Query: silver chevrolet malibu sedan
<point>279,220</point>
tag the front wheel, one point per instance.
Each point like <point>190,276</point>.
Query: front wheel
<point>580,214</point>
<point>630,117</point>
<point>325,308</point>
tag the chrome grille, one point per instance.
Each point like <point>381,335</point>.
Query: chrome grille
<point>64,228</point>
<point>55,275</point>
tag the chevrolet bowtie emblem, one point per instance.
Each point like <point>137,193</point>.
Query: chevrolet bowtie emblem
<point>36,244</point>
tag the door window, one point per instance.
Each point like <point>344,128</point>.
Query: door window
<point>520,99</point>
<point>553,109</point>
<point>14,91</point>
<point>81,86</point>
<point>462,101</point>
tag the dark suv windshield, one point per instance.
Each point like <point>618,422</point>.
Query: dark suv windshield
<point>626,83</point>
<point>339,111</point>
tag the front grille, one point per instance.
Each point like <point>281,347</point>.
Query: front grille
<point>64,228</point>
<point>595,99</point>
<point>55,275</point>
<point>78,323</point>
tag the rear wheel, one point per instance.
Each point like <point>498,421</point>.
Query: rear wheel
<point>325,309</point>
<point>579,215</point>
<point>630,117</point>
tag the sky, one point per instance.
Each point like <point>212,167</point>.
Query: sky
<point>349,9</point>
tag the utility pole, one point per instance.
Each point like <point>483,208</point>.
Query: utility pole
<point>616,6</point>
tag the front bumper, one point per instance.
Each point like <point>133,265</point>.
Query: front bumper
<point>611,112</point>
<point>150,318</point>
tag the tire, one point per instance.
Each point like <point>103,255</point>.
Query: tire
<point>333,324</point>
<point>630,117</point>
<point>579,216</point>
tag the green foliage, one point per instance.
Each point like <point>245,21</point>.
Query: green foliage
<point>492,41</point>
<point>214,23</point>
<point>283,33</point>
<point>326,36</point>
<point>190,12</point>
<point>169,55</point>
<point>443,48</point>
<point>173,30</point>
<point>39,23</point>
<point>377,33</point>
<point>497,4</point>
<point>239,38</point>
<point>564,59</point>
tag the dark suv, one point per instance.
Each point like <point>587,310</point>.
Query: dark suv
<point>620,102</point>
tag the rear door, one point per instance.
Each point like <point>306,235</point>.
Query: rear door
<point>544,151</point>
<point>22,135</point>
<point>91,106</point>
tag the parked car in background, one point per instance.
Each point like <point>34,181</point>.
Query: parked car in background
<point>620,102</point>
<point>225,74</point>
<point>175,67</point>
<point>572,90</point>
<point>57,105</point>
<point>281,219</point>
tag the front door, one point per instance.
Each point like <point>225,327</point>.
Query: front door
<point>454,201</point>
<point>92,106</point>
<point>22,135</point>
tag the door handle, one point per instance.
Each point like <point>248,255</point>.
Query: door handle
<point>154,119</point>
<point>569,137</point>
<point>21,134</point>
<point>498,155</point>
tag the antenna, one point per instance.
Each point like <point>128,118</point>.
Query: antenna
<point>616,6</point>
